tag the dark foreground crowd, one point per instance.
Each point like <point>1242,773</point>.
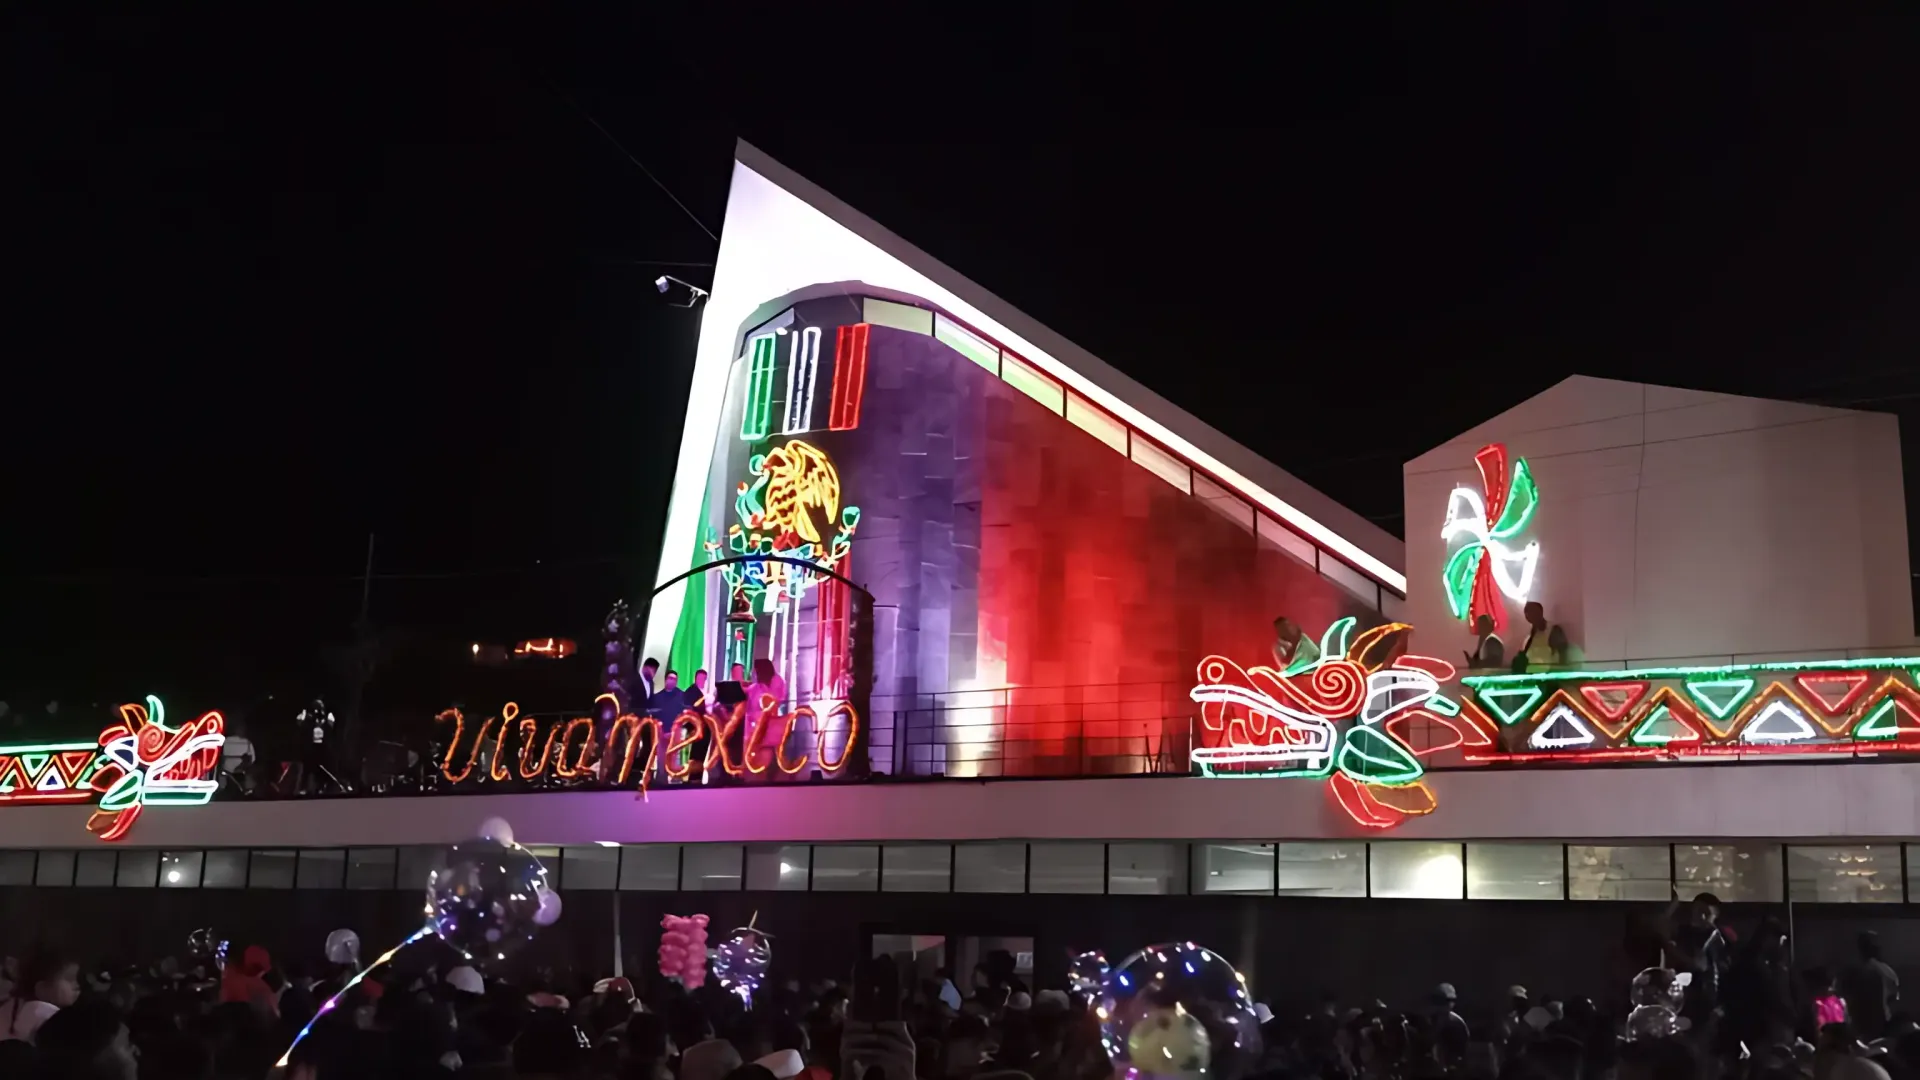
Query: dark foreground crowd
<point>1744,1015</point>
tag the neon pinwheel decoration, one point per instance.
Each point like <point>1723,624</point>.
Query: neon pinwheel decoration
<point>1489,522</point>
<point>146,763</point>
<point>1259,722</point>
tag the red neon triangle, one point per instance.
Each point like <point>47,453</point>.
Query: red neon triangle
<point>9,766</point>
<point>1679,712</point>
<point>1834,691</point>
<point>1622,695</point>
<point>72,764</point>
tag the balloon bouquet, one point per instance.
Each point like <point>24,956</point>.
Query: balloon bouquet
<point>740,962</point>
<point>683,949</point>
<point>490,899</point>
<point>1175,1010</point>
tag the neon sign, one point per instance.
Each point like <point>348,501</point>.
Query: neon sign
<point>1263,722</point>
<point>1489,521</point>
<point>571,750</point>
<point>790,506</point>
<point>1742,710</point>
<point>135,763</point>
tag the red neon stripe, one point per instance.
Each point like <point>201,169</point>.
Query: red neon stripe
<point>1492,460</point>
<point>46,796</point>
<point>849,376</point>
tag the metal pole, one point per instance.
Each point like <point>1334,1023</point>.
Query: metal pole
<point>366,580</point>
<point>616,929</point>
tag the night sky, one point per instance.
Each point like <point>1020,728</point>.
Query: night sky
<point>283,280</point>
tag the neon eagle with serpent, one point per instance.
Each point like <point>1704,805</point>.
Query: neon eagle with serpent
<point>1264,722</point>
<point>790,506</point>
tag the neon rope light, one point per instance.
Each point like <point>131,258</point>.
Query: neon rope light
<point>849,376</point>
<point>1834,691</point>
<point>1720,697</point>
<point>1489,522</point>
<point>1896,716</point>
<point>1511,705</point>
<point>1262,722</point>
<point>328,1005</point>
<point>1659,728</point>
<point>148,763</point>
<point>47,772</point>
<point>1562,716</point>
<point>755,414</point>
<point>1902,662</point>
<point>803,367</point>
<point>1777,721</point>
<point>1614,700</point>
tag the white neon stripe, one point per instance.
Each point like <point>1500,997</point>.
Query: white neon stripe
<point>1512,570</point>
<point>803,364</point>
<point>1540,740</point>
<point>1752,733</point>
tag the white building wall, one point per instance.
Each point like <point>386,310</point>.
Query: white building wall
<point>1682,524</point>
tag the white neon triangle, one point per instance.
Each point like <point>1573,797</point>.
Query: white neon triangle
<point>1798,728</point>
<point>1573,731</point>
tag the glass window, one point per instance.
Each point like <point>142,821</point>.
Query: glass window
<point>1321,869</point>
<point>1094,420</point>
<point>56,868</point>
<point>1416,870</point>
<point>1515,872</point>
<point>591,867</point>
<point>1030,381</point>
<point>321,868</point>
<point>1163,465</point>
<point>16,867</point>
<point>990,868</point>
<point>138,869</point>
<point>1068,868</point>
<point>371,867</point>
<point>710,868</point>
<point>1233,868</point>
<point>1602,872</point>
<point>1857,874</point>
<point>1149,869</point>
<point>650,868</point>
<point>777,867</point>
<point>274,870</point>
<point>93,868</point>
<point>1736,873</point>
<point>225,869</point>
<point>417,864</point>
<point>917,868</point>
<point>969,344</point>
<point>846,868</point>
<point>180,869</point>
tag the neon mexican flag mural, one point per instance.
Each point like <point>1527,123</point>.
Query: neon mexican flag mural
<point>1261,722</point>
<point>1489,518</point>
<point>135,763</point>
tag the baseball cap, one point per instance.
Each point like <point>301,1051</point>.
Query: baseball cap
<point>466,980</point>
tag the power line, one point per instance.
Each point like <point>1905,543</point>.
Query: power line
<point>597,126</point>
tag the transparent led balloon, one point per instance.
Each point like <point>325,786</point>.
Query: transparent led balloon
<point>1087,973</point>
<point>1177,1010</point>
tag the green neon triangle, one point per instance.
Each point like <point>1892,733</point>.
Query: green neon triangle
<point>1662,727</point>
<point>1511,703</point>
<point>33,764</point>
<point>1720,696</point>
<point>1883,721</point>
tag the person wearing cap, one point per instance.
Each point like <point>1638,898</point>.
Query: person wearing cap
<point>1450,1033</point>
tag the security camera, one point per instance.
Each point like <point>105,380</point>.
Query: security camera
<point>679,293</point>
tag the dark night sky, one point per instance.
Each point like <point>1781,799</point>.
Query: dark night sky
<point>285,279</point>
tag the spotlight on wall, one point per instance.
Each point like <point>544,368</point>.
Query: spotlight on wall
<point>679,293</point>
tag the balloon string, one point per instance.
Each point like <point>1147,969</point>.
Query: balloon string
<point>327,1006</point>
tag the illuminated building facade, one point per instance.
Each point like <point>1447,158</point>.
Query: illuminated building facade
<point>973,551</point>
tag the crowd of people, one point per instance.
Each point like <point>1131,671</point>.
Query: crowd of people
<point>1745,1015</point>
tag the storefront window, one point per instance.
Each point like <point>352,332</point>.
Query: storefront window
<point>94,869</point>
<point>1860,874</point>
<point>1147,869</point>
<point>1245,869</point>
<point>16,867</point>
<point>710,868</point>
<point>56,868</point>
<point>180,869</point>
<point>777,867</point>
<point>650,868</point>
<point>917,868</point>
<point>1068,868</point>
<point>1736,873</point>
<point>138,869</point>
<point>1598,872</point>
<point>1321,869</point>
<point>226,869</point>
<point>990,868</point>
<point>1515,872</point>
<point>321,868</point>
<point>846,868</point>
<point>371,868</point>
<point>1416,870</point>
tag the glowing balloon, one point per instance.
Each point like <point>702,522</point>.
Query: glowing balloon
<point>740,963</point>
<point>1087,973</point>
<point>1177,1010</point>
<point>496,829</point>
<point>486,901</point>
<point>549,910</point>
<point>343,947</point>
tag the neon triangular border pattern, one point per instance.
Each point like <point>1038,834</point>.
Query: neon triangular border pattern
<point>1562,708</point>
<point>1851,684</point>
<point>1510,714</point>
<point>1598,694</point>
<point>1666,705</point>
<point>1776,702</point>
<point>1708,693</point>
<point>1895,700</point>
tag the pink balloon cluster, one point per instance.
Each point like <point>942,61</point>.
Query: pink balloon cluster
<point>683,949</point>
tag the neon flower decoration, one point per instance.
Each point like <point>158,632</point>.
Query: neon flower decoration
<point>148,763</point>
<point>790,507</point>
<point>1263,722</point>
<point>1489,521</point>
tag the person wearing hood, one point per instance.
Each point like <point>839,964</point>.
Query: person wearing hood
<point>245,982</point>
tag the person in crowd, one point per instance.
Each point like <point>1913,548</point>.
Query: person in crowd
<point>89,1041</point>
<point>244,982</point>
<point>767,694</point>
<point>49,982</point>
<point>1537,652</point>
<point>1291,648</point>
<point>667,702</point>
<point>648,669</point>
<point>1872,989</point>
<point>696,694</point>
<point>1701,946</point>
<point>1488,650</point>
<point>1828,1006</point>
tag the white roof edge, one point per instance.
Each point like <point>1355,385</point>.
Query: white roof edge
<point>1328,523</point>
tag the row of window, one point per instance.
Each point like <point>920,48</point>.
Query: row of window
<point>1398,869</point>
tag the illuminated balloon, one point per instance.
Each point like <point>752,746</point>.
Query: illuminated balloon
<point>496,829</point>
<point>201,943</point>
<point>549,910</point>
<point>740,963</point>
<point>343,947</point>
<point>1653,1022</point>
<point>1087,973</point>
<point>1659,986</point>
<point>1177,1010</point>
<point>486,901</point>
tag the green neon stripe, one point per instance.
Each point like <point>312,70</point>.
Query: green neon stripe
<point>1708,693</point>
<point>1458,577</point>
<point>1443,705</point>
<point>1902,662</point>
<point>689,650</point>
<point>1871,726</point>
<point>1645,735</point>
<point>1523,497</point>
<point>1527,697</point>
<point>755,418</point>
